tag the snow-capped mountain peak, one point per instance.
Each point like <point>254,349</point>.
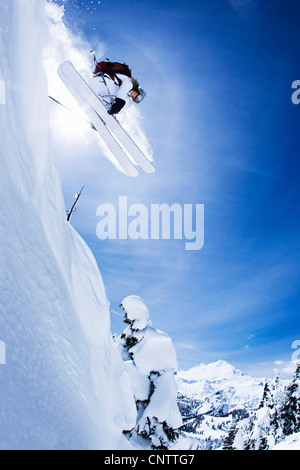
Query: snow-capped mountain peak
<point>216,371</point>
<point>210,386</point>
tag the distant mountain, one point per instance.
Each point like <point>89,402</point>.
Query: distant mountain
<point>214,385</point>
<point>210,396</point>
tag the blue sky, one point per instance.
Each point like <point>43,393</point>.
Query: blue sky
<point>225,134</point>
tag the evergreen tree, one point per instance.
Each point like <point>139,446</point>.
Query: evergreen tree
<point>267,398</point>
<point>230,438</point>
<point>278,415</point>
<point>290,412</point>
<point>259,432</point>
<point>151,362</point>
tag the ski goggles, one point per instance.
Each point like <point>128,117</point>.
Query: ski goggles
<point>142,94</point>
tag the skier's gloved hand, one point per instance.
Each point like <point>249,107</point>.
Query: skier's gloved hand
<point>117,106</point>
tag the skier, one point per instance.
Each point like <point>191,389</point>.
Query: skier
<point>125,150</point>
<point>116,79</point>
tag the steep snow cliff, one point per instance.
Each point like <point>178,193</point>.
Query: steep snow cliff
<point>62,384</point>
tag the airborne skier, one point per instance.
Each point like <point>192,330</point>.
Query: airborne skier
<point>125,150</point>
<point>116,85</point>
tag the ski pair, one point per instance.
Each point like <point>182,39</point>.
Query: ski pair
<point>115,137</point>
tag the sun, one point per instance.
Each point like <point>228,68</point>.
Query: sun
<point>69,125</point>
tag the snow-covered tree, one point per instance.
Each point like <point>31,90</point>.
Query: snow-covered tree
<point>267,398</point>
<point>261,432</point>
<point>230,438</point>
<point>290,412</point>
<point>278,415</point>
<point>151,362</point>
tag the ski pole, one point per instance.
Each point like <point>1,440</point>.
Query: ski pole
<point>71,111</point>
<point>103,78</point>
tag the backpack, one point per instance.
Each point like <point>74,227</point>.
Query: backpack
<point>111,69</point>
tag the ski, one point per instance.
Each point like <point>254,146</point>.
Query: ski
<point>75,81</point>
<point>100,126</point>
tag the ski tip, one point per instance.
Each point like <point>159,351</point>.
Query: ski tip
<point>152,169</point>
<point>66,63</point>
<point>149,167</point>
<point>129,170</point>
<point>133,173</point>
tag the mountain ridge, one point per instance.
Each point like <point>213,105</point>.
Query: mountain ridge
<point>218,383</point>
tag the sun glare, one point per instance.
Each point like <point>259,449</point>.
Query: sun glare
<point>70,126</point>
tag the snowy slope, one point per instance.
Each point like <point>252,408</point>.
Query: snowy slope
<point>289,443</point>
<point>63,385</point>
